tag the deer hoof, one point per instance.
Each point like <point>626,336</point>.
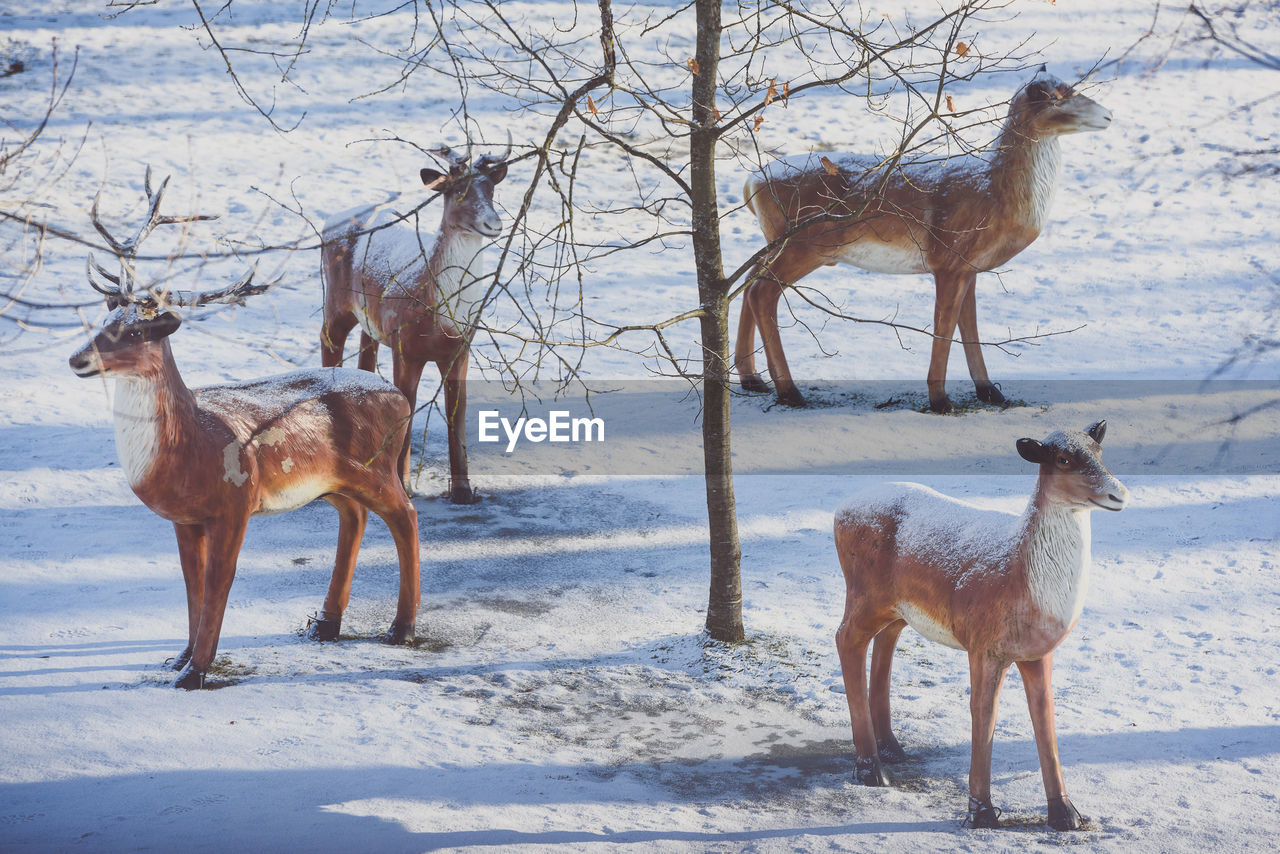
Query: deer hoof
<point>323,628</point>
<point>399,635</point>
<point>753,382</point>
<point>942,405</point>
<point>463,495</point>
<point>792,398</point>
<point>1063,815</point>
<point>869,773</point>
<point>890,750</point>
<point>182,660</point>
<point>991,394</point>
<point>190,679</point>
<point>981,815</point>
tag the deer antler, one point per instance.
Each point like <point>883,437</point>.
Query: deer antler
<point>120,290</point>
<point>233,294</point>
<point>112,291</point>
<point>457,162</point>
<point>493,159</point>
<point>127,250</point>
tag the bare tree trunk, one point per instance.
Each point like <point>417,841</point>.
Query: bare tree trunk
<point>724,606</point>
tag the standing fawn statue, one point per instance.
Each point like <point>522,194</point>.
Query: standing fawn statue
<point>420,298</point>
<point>1005,589</point>
<point>951,218</point>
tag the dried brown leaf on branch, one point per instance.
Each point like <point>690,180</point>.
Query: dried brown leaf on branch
<point>693,65</point>
<point>951,105</point>
<point>591,106</point>
<point>759,121</point>
<point>786,90</point>
<point>962,49</point>
<point>771,94</point>
<point>831,168</point>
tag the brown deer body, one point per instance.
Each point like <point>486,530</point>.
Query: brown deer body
<point>1005,589</point>
<point>209,459</point>
<point>950,218</point>
<point>420,298</point>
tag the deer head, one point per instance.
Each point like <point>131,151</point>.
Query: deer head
<point>1049,107</point>
<point>1071,469</point>
<point>468,190</point>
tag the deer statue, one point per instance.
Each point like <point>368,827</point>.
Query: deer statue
<point>420,298</point>
<point>207,459</point>
<point>1006,589</point>
<point>950,218</point>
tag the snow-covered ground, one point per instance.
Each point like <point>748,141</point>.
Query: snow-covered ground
<point>563,693</point>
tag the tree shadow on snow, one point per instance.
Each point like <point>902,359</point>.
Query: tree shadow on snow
<point>374,808</point>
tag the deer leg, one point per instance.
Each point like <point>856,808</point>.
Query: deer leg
<point>394,507</point>
<point>949,295</point>
<point>852,639</point>
<point>987,391</point>
<point>333,338</point>
<point>191,553</point>
<point>985,678</point>
<point>1037,679</point>
<point>225,537</point>
<point>453,373</point>
<point>405,375</point>
<point>352,516</point>
<point>762,298</point>
<point>744,351</point>
<point>881,664</point>
<point>368,353</point>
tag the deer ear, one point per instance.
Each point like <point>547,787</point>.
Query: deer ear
<point>1097,431</point>
<point>497,173</point>
<point>1031,451</point>
<point>431,176</point>
<point>161,326</point>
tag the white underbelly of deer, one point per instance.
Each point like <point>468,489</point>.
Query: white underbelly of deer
<point>360,308</point>
<point>927,626</point>
<point>283,487</point>
<point>294,495</point>
<point>880,257</point>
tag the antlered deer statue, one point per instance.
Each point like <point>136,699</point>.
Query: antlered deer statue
<point>420,298</point>
<point>207,459</point>
<point>951,218</point>
<point>1006,589</point>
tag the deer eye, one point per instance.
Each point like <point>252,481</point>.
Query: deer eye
<point>1065,462</point>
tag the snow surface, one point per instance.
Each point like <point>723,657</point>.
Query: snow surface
<point>563,695</point>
